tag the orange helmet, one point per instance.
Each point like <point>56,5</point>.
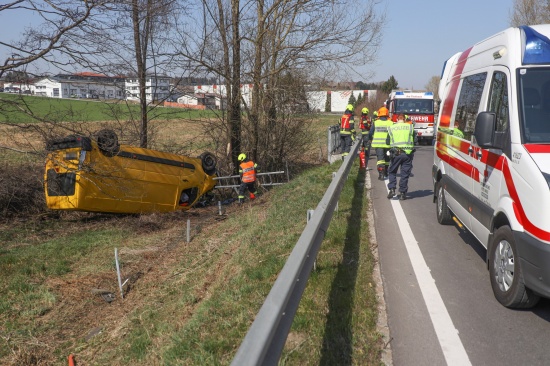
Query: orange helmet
<point>383,112</point>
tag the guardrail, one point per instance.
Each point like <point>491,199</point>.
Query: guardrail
<point>334,141</point>
<point>267,335</point>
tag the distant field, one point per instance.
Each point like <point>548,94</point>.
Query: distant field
<point>78,110</point>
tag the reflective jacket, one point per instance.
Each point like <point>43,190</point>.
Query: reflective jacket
<point>247,170</point>
<point>380,134</point>
<point>402,136</point>
<point>347,124</point>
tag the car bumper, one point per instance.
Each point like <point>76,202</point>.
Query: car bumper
<point>535,263</point>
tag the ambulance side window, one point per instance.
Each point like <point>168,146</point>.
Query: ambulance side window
<point>498,100</point>
<point>468,103</point>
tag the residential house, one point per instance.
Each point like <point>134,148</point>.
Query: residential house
<point>81,85</point>
<point>157,88</point>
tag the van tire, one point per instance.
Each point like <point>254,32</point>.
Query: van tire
<point>444,216</point>
<point>107,141</point>
<point>208,162</point>
<point>505,272</point>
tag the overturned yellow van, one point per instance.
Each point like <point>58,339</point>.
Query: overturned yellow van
<point>101,175</point>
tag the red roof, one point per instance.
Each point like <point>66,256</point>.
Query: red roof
<point>88,73</point>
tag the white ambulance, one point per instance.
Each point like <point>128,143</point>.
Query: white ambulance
<point>491,166</point>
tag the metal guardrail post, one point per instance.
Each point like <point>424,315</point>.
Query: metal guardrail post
<point>267,335</point>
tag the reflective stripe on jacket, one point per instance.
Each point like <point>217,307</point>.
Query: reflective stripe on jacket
<point>248,171</point>
<point>401,136</point>
<point>347,124</point>
<point>381,132</point>
<point>365,123</point>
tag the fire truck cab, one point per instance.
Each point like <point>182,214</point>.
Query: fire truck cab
<point>419,106</point>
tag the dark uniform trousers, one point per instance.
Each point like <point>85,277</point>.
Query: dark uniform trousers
<point>405,162</point>
<point>346,142</point>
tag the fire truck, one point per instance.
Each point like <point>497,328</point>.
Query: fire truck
<point>419,106</point>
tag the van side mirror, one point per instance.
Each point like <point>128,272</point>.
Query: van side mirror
<point>484,131</point>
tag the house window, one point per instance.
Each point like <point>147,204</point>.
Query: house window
<point>55,92</point>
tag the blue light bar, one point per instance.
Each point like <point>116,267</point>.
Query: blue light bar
<point>399,93</point>
<point>537,47</point>
<point>428,94</point>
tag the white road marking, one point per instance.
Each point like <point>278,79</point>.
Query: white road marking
<point>447,334</point>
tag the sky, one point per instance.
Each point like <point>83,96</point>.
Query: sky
<point>418,36</point>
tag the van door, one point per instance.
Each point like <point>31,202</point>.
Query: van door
<point>462,175</point>
<point>486,174</point>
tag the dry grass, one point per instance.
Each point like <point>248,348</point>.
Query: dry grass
<point>172,286</point>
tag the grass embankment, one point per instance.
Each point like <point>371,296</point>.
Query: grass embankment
<point>188,303</point>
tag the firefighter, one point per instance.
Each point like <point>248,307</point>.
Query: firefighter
<point>378,135</point>
<point>247,170</point>
<point>365,124</point>
<point>401,140</point>
<point>347,130</point>
<point>409,121</point>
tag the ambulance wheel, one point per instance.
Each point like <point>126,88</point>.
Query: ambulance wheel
<point>505,271</point>
<point>107,141</point>
<point>444,216</point>
<point>208,162</point>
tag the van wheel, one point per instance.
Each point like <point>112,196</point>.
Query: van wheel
<point>107,141</point>
<point>505,271</point>
<point>208,162</point>
<point>444,216</point>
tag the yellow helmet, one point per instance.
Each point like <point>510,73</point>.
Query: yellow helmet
<point>349,107</point>
<point>383,112</point>
<point>375,113</point>
<point>365,110</point>
<point>241,157</point>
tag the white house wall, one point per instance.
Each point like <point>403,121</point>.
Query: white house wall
<point>317,100</point>
<point>339,99</point>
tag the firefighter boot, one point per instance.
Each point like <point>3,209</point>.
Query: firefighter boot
<point>380,172</point>
<point>392,193</point>
<point>241,200</point>
<point>403,196</point>
<point>252,196</point>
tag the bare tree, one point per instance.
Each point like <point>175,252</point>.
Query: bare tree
<point>59,18</point>
<point>129,38</point>
<point>433,85</point>
<point>529,12</point>
<point>275,38</point>
<point>298,36</point>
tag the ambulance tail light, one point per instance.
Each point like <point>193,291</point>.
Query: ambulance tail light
<point>537,47</point>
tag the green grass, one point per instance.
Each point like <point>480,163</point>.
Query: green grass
<point>203,295</point>
<point>36,109</point>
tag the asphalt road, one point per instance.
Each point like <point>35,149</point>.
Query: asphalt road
<point>439,302</point>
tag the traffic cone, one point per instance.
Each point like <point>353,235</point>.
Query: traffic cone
<point>252,196</point>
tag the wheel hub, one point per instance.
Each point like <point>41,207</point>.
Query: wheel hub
<point>504,265</point>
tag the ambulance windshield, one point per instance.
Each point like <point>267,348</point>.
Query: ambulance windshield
<point>414,106</point>
<point>535,104</point>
